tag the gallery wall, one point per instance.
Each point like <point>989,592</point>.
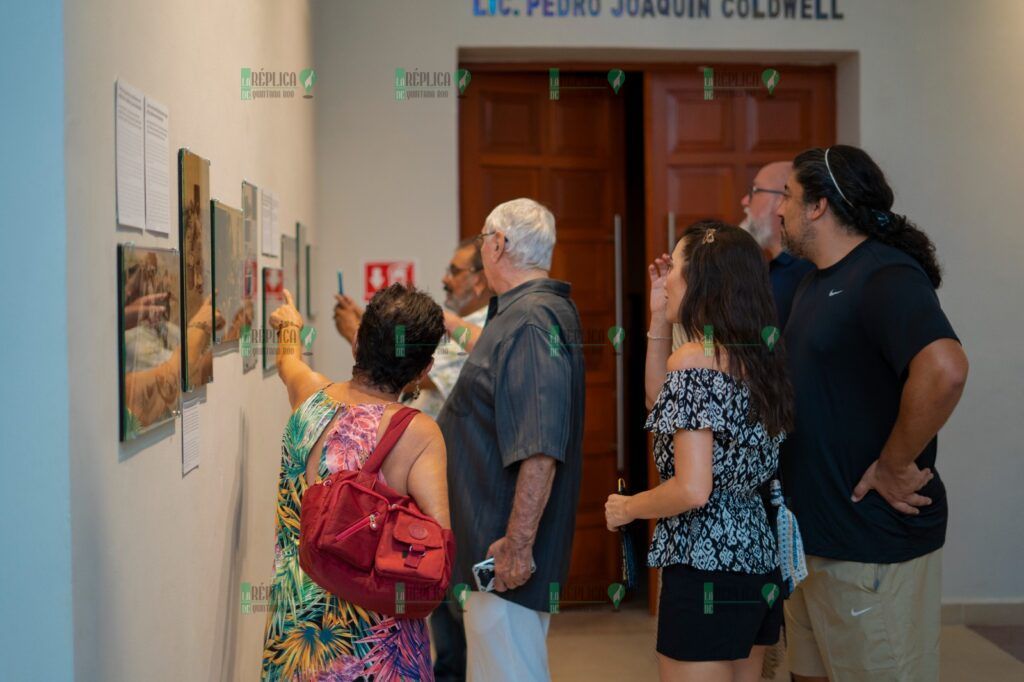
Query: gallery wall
<point>159,559</point>
<point>934,93</point>
<point>35,600</point>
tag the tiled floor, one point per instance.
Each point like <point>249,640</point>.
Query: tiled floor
<point>603,645</point>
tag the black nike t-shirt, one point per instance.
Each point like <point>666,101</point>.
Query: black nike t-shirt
<point>852,332</point>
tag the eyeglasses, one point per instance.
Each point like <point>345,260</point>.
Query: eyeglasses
<point>754,190</point>
<point>484,235</point>
<point>454,270</point>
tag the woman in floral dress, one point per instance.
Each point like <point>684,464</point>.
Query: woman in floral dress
<point>311,635</point>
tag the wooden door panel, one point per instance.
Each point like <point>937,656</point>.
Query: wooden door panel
<point>700,192</point>
<point>575,261</point>
<point>579,127</point>
<point>580,198</point>
<point>511,123</point>
<point>498,185</point>
<point>696,125</point>
<point>779,124</point>
<point>568,154</point>
<point>594,559</point>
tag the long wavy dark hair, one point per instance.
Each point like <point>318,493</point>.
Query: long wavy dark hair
<point>379,361</point>
<point>867,207</point>
<point>727,288</point>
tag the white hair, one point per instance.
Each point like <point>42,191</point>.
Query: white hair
<point>529,230</point>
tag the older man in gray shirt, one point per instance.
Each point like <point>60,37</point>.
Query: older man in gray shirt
<point>513,426</point>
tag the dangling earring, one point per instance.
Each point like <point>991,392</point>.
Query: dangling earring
<point>409,397</point>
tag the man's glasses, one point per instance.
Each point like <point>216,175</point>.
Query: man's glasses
<point>479,240</point>
<point>755,189</point>
<point>454,270</point>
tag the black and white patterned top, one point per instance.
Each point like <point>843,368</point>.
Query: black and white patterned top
<point>730,532</point>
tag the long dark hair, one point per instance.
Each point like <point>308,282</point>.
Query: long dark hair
<point>727,287</point>
<point>397,312</point>
<point>867,206</point>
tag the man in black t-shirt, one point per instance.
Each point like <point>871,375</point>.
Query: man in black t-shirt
<point>877,370</point>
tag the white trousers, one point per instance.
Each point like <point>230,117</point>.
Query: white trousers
<point>505,642</point>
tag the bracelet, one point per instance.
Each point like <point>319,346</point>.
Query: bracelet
<point>659,338</point>
<point>201,326</point>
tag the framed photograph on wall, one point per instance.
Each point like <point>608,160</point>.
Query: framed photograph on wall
<point>309,282</point>
<point>196,240</point>
<point>250,282</point>
<point>302,238</point>
<point>273,298</point>
<point>233,302</point>
<point>290,265</point>
<point>149,335</point>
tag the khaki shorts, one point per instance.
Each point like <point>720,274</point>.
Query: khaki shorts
<point>878,622</point>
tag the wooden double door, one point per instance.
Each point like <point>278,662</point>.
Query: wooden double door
<point>698,159</point>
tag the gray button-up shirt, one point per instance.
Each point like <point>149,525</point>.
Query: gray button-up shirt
<point>520,393</point>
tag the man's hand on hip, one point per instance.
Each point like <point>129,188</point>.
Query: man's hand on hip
<point>897,485</point>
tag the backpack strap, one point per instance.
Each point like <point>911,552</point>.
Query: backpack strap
<point>396,427</point>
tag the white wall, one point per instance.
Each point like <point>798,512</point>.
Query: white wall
<point>941,95</point>
<point>35,600</point>
<point>157,558</point>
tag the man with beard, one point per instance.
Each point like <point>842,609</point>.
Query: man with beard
<point>877,370</point>
<point>467,297</point>
<point>761,205</point>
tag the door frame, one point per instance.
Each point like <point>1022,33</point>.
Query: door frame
<point>845,67</point>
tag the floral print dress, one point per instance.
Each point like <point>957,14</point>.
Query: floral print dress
<point>311,635</point>
<point>730,532</point>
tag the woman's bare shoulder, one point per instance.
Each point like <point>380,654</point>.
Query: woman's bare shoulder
<point>422,434</point>
<point>689,356</point>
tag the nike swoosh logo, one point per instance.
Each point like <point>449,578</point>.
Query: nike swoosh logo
<point>861,612</point>
<point>833,292</point>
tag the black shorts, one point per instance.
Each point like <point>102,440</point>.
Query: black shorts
<point>716,615</point>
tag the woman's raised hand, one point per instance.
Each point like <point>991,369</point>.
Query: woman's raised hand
<point>658,272</point>
<point>286,315</point>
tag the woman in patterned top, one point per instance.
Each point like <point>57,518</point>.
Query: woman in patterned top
<point>719,408</point>
<point>311,635</point>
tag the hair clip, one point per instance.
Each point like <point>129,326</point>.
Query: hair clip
<point>882,218</point>
<point>709,236</point>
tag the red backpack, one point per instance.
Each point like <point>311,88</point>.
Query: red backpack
<point>369,545</point>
